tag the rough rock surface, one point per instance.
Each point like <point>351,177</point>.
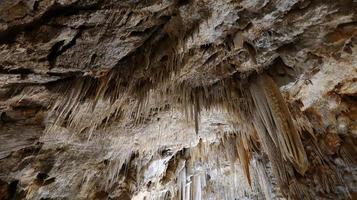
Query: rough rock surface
<point>178,99</point>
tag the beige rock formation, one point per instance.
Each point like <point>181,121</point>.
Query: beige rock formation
<point>178,99</point>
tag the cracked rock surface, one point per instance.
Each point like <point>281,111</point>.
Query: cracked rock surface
<point>178,99</point>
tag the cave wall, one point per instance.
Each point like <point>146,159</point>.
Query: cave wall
<point>178,99</point>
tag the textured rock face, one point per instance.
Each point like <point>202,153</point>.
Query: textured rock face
<point>178,99</point>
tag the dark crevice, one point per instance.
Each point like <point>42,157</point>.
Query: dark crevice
<point>72,42</point>
<point>58,48</point>
<point>348,24</point>
<point>282,73</point>
<point>54,52</point>
<point>4,118</point>
<point>41,176</point>
<point>142,33</point>
<point>57,85</point>
<point>165,18</point>
<point>205,47</point>
<point>65,74</point>
<point>35,5</point>
<point>93,58</point>
<point>182,2</point>
<point>12,189</point>
<point>22,71</point>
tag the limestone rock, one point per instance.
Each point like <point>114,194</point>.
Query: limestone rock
<point>178,99</point>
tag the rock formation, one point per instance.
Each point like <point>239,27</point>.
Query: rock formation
<point>178,99</point>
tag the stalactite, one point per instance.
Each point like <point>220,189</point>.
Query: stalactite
<point>278,122</point>
<point>115,69</point>
<point>196,112</point>
<point>244,158</point>
<point>279,167</point>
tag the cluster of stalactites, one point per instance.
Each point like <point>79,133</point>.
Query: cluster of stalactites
<point>257,104</point>
<point>272,117</point>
